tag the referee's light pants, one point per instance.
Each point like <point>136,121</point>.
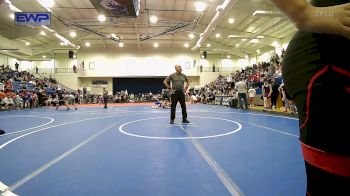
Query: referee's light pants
<point>178,96</point>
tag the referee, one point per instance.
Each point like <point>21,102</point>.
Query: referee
<point>179,89</point>
<point>105,97</point>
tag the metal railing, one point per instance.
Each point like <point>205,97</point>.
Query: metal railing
<point>52,70</point>
<point>217,69</point>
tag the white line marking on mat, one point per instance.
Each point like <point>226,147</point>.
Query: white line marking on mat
<point>23,130</point>
<point>54,161</point>
<point>42,129</point>
<point>279,131</point>
<point>254,114</point>
<point>4,190</point>
<point>224,178</point>
<point>177,125</point>
<point>179,138</point>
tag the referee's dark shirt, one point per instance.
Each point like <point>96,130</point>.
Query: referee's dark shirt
<point>177,81</point>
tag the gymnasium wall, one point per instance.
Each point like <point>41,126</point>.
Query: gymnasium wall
<point>62,60</point>
<point>87,82</point>
<point>128,63</point>
<point>69,80</point>
<point>123,63</point>
<point>194,80</point>
<point>219,60</point>
<point>8,60</point>
<point>265,57</point>
<point>207,77</point>
<point>120,63</point>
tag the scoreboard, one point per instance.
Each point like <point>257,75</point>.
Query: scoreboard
<point>117,8</point>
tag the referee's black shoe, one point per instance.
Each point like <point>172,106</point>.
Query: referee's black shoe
<point>185,121</point>
<point>171,121</point>
<point>2,132</point>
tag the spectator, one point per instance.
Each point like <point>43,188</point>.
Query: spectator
<point>7,102</point>
<point>252,93</point>
<point>266,91</point>
<point>274,94</point>
<point>193,99</point>
<point>241,88</point>
<point>16,66</point>
<point>2,85</point>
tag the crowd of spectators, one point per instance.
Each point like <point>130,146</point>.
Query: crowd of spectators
<point>25,90</point>
<point>21,89</point>
<point>259,78</point>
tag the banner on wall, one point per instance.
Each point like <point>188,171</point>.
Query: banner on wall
<point>118,8</point>
<point>33,18</point>
<point>99,83</point>
<point>218,100</point>
<point>226,101</point>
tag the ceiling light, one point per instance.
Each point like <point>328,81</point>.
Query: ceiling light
<point>246,56</point>
<point>155,45</point>
<point>62,43</point>
<point>12,16</point>
<point>87,44</point>
<point>251,29</point>
<point>200,6</point>
<point>217,35</point>
<point>231,20</point>
<point>257,51</point>
<point>244,40</point>
<point>191,35</point>
<point>47,3</point>
<point>237,45</point>
<point>74,56</point>
<point>228,56</point>
<point>47,28</point>
<point>238,36</point>
<point>101,18</point>
<point>202,56</point>
<point>42,33</point>
<point>12,7</point>
<point>64,40</point>
<point>73,34</point>
<point>208,45</point>
<point>275,44</point>
<point>254,41</point>
<point>260,36</point>
<point>267,13</point>
<point>27,43</point>
<point>234,36</point>
<point>186,45</point>
<point>153,19</point>
<point>114,35</point>
<point>121,44</point>
<point>44,57</point>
